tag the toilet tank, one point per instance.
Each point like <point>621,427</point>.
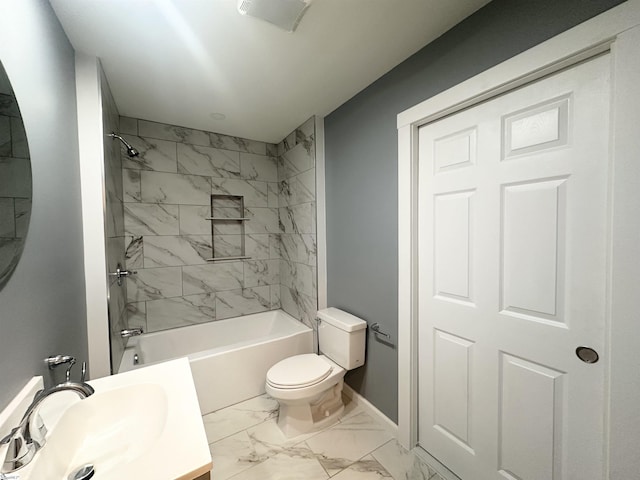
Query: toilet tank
<point>342,337</point>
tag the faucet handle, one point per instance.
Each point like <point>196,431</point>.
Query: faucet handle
<point>54,360</point>
<point>19,453</point>
<point>131,332</point>
<point>68,373</point>
<point>8,437</point>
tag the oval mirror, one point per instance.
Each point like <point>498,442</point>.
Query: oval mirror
<point>15,181</point>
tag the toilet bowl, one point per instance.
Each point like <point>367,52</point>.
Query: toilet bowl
<point>309,390</point>
<point>308,387</point>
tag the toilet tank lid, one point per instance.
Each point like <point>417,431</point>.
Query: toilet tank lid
<point>341,319</point>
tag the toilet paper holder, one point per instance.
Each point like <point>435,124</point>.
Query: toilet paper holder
<point>376,328</point>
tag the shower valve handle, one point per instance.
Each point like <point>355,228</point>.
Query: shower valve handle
<point>120,273</point>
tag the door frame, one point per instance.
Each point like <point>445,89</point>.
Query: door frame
<point>616,31</point>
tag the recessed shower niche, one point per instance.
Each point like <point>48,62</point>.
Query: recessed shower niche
<point>227,228</point>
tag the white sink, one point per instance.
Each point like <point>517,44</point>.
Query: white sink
<point>108,430</point>
<point>141,424</point>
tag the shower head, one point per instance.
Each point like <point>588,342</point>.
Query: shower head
<point>132,152</point>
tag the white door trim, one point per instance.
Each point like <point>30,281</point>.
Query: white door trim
<point>613,30</point>
<point>90,139</point>
<point>321,215</point>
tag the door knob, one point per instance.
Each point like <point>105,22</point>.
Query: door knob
<point>587,354</point>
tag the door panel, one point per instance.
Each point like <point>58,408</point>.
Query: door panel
<point>530,419</point>
<point>452,252</point>
<point>532,229</point>
<point>452,399</point>
<point>512,230</point>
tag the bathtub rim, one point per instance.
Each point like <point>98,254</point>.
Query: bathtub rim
<point>131,347</point>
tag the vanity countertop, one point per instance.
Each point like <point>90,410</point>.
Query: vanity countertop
<point>161,435</point>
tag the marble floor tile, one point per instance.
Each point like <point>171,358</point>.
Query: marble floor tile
<point>268,440</point>
<point>366,468</point>
<point>295,463</point>
<point>246,444</point>
<point>233,419</point>
<point>233,455</point>
<point>402,464</point>
<point>348,441</point>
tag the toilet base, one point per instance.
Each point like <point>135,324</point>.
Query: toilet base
<point>296,418</point>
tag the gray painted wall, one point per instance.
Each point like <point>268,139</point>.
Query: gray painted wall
<point>42,311</point>
<point>361,164</point>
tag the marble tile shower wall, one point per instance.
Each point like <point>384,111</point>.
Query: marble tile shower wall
<point>297,217</point>
<point>114,223</point>
<point>167,191</point>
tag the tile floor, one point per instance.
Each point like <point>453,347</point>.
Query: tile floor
<point>246,444</point>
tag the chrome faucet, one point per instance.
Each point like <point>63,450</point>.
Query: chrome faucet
<point>131,332</point>
<point>22,444</point>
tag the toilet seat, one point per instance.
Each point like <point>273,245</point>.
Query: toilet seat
<point>299,371</point>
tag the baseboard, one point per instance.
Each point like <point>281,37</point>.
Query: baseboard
<point>359,400</point>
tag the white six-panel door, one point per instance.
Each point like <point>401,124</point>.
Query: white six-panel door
<point>513,215</point>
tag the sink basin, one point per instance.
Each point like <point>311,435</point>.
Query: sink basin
<point>144,423</point>
<point>108,430</point>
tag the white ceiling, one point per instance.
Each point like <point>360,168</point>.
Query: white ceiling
<point>180,61</point>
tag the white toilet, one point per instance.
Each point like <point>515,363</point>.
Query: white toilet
<point>308,387</point>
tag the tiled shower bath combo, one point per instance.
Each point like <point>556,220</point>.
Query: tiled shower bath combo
<point>167,193</point>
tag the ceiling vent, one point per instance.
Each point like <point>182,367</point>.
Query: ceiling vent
<point>285,14</point>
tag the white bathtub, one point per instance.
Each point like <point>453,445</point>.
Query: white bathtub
<point>229,358</point>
